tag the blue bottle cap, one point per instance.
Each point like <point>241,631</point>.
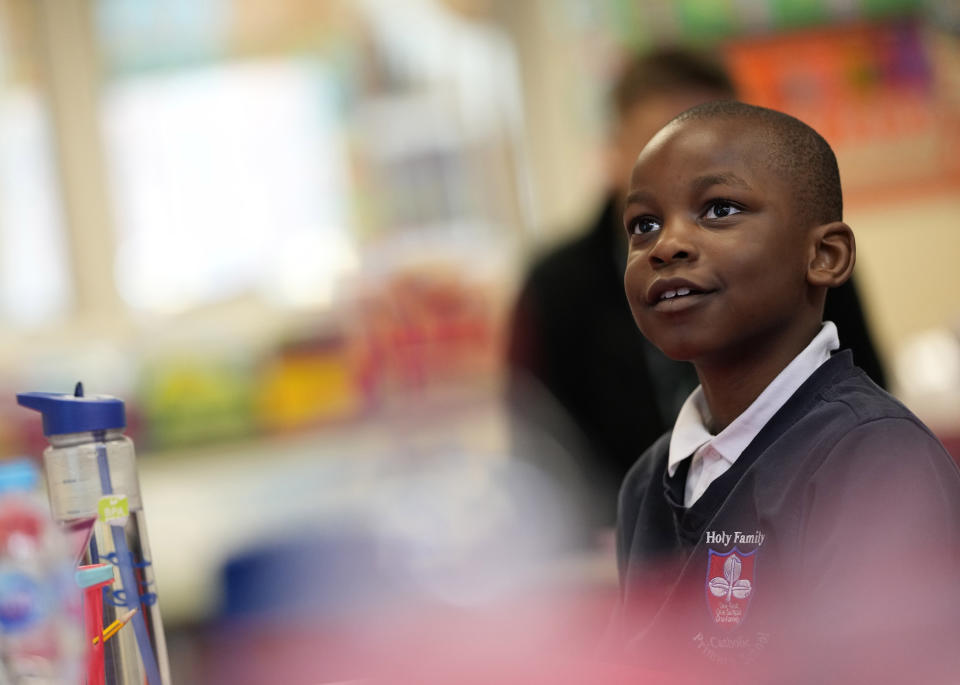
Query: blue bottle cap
<point>75,413</point>
<point>18,475</point>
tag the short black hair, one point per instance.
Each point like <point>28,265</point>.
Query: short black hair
<point>665,71</point>
<point>795,149</point>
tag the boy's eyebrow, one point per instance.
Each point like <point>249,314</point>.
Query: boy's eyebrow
<point>698,185</point>
<point>701,183</point>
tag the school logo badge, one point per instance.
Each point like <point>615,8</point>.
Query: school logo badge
<point>730,585</point>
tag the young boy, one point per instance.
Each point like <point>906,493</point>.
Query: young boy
<point>580,373</point>
<point>797,516</point>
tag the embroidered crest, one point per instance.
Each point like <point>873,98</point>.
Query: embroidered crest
<point>730,585</point>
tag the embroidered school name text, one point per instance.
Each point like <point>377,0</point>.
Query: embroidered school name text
<point>724,538</point>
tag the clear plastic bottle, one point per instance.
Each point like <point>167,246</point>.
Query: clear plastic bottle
<point>40,631</point>
<point>94,495</point>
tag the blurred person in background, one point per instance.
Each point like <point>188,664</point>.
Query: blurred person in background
<point>587,392</point>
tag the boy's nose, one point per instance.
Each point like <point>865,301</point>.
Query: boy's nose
<point>675,243</point>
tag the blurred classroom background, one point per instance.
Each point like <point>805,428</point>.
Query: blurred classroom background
<point>288,233</point>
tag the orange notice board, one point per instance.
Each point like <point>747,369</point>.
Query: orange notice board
<point>879,93</point>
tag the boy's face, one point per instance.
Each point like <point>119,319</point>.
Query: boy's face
<point>718,259</point>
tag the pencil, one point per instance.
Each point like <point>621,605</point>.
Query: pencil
<point>115,627</point>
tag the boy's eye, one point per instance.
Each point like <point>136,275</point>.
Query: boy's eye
<point>719,209</point>
<point>643,224</point>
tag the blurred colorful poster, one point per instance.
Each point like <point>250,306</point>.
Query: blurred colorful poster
<point>873,90</point>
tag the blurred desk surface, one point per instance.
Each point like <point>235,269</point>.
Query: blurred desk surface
<point>204,505</point>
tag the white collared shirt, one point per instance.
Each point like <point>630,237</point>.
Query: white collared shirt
<point>714,454</point>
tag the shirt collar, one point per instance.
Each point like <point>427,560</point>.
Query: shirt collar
<point>690,430</point>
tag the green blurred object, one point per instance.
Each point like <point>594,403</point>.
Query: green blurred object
<point>190,401</point>
<point>796,13</point>
<point>707,19</point>
<point>641,23</point>
<point>885,8</point>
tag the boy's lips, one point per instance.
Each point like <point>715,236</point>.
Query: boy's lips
<point>673,293</point>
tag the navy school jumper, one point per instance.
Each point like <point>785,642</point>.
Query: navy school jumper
<point>838,528</point>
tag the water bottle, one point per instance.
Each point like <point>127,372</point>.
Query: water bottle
<point>40,632</point>
<point>94,495</point>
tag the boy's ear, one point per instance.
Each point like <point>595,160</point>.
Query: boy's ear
<point>833,252</point>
